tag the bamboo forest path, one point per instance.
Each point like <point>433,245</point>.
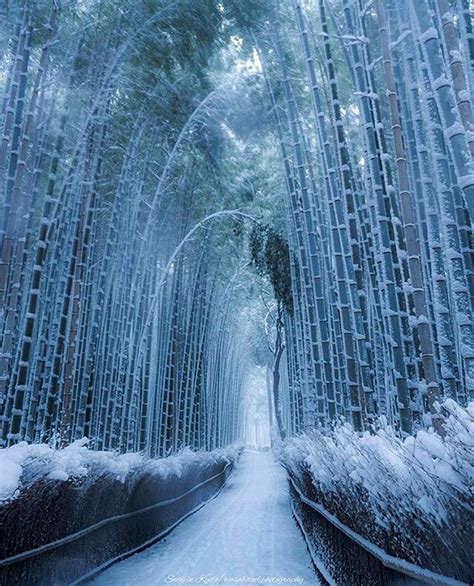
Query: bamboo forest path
<point>246,532</point>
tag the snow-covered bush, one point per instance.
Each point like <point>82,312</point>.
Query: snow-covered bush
<point>83,508</point>
<point>23,464</point>
<point>412,496</point>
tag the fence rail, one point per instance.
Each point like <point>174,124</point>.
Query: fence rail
<point>77,557</point>
<point>397,569</point>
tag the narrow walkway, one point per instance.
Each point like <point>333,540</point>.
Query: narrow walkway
<point>244,534</point>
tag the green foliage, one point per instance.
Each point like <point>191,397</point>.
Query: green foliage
<point>246,14</point>
<point>271,256</point>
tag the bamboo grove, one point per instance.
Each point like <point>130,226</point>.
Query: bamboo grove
<point>114,326</point>
<point>372,110</point>
<point>138,171</point>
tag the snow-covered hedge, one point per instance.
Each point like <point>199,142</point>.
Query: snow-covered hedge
<point>411,497</point>
<point>65,513</point>
<point>23,464</point>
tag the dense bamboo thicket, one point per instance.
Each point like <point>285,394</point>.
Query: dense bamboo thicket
<point>117,320</point>
<point>372,108</point>
<point>152,151</point>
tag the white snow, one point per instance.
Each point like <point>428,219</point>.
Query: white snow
<point>10,473</point>
<point>389,467</point>
<point>77,461</point>
<point>245,535</point>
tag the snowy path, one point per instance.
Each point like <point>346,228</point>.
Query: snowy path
<point>246,532</point>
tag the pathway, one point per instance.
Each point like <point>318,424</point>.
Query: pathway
<point>246,535</point>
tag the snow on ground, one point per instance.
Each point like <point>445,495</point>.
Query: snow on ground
<point>245,535</point>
